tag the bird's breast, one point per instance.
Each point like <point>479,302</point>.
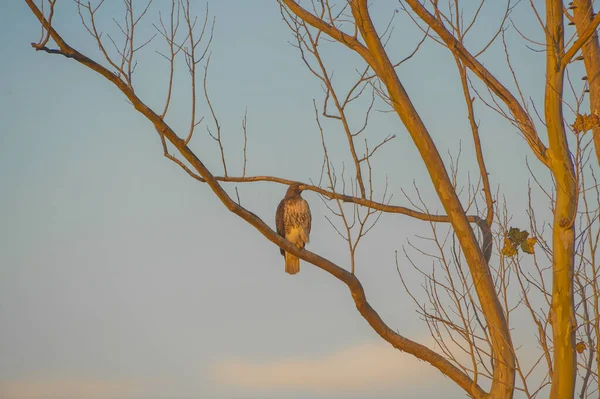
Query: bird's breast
<point>296,236</point>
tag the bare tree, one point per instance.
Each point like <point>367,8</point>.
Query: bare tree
<point>479,256</point>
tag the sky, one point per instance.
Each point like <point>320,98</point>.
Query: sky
<point>123,278</point>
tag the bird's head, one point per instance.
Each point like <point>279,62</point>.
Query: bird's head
<point>294,190</point>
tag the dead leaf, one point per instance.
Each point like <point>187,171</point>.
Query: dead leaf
<point>585,122</point>
<point>509,249</point>
<point>528,244</point>
<point>516,236</point>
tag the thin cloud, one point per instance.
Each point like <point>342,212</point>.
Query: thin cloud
<point>67,388</point>
<point>369,367</point>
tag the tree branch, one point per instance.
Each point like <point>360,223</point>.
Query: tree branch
<point>519,114</point>
<point>358,294</point>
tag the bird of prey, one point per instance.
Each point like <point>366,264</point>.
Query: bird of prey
<point>293,220</point>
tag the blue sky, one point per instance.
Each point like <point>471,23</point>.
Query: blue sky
<point>121,277</point>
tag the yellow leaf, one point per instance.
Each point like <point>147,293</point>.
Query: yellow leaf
<point>509,249</point>
<point>527,245</point>
<point>585,122</point>
<point>580,347</point>
<point>578,124</point>
<point>590,121</point>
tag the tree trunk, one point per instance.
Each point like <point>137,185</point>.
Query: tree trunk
<point>563,234</point>
<point>504,361</point>
<point>583,14</point>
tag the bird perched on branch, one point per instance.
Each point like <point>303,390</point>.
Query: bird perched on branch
<point>293,220</point>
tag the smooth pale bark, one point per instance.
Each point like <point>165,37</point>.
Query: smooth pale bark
<point>354,285</point>
<point>504,363</point>
<point>376,56</point>
<point>556,157</point>
<point>563,234</point>
<point>583,14</point>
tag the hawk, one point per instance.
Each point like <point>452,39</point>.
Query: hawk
<point>293,221</point>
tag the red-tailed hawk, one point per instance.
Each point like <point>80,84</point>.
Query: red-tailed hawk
<point>293,221</point>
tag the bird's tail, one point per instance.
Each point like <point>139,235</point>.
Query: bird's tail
<point>292,263</point>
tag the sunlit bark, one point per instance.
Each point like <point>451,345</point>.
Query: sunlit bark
<point>563,241</point>
<point>487,306</point>
<point>583,15</point>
